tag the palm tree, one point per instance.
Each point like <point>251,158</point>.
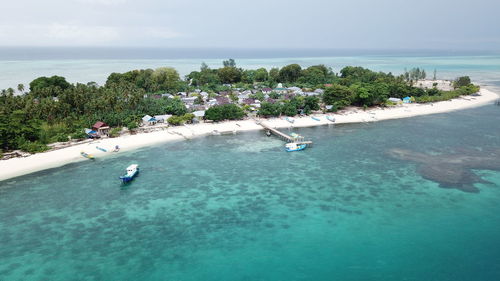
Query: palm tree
<point>20,88</point>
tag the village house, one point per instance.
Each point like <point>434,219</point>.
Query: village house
<point>267,90</point>
<point>162,118</point>
<point>148,120</point>
<point>101,128</point>
<point>222,100</point>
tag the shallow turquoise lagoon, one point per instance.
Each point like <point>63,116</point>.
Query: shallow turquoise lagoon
<point>240,208</point>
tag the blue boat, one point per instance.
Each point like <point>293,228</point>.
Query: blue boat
<point>315,118</point>
<point>132,171</point>
<point>290,147</point>
<point>101,149</point>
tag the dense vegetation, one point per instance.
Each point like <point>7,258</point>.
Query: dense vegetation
<point>54,110</point>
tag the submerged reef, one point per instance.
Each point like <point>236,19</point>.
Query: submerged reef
<point>452,170</point>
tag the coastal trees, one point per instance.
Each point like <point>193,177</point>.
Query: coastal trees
<point>289,73</point>
<point>229,74</point>
<point>268,109</point>
<point>49,86</point>
<point>224,112</point>
<point>461,81</point>
<point>337,95</point>
<point>261,75</point>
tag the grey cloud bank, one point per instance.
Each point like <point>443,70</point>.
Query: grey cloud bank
<point>389,24</point>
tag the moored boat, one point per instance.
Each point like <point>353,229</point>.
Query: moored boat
<point>330,118</point>
<point>132,171</point>
<point>101,149</point>
<point>86,155</point>
<point>293,146</point>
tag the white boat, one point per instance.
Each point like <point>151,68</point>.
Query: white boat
<point>293,146</point>
<point>290,119</point>
<point>132,171</point>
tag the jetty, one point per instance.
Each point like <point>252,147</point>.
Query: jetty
<point>288,138</point>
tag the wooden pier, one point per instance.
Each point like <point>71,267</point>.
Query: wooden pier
<point>283,136</point>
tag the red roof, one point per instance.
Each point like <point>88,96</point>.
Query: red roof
<point>99,124</point>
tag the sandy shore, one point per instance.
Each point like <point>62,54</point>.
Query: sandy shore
<point>41,161</point>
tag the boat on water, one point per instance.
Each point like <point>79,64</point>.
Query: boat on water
<point>132,171</point>
<point>101,149</point>
<point>293,146</point>
<point>315,118</point>
<point>86,155</point>
<point>290,119</point>
<point>330,118</point>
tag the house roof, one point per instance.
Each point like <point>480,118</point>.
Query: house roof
<point>148,118</point>
<point>99,124</point>
<point>199,113</point>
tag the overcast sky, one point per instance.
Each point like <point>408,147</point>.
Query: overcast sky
<point>393,24</point>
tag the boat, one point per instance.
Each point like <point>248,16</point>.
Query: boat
<point>101,149</point>
<point>315,118</point>
<point>293,146</point>
<point>330,118</point>
<point>86,155</point>
<point>132,171</point>
<point>290,119</point>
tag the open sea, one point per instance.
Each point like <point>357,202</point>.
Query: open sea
<point>239,207</point>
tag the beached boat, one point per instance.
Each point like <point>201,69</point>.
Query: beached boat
<point>290,119</point>
<point>293,146</point>
<point>86,155</point>
<point>132,171</point>
<point>330,118</point>
<point>101,149</point>
<point>315,118</point>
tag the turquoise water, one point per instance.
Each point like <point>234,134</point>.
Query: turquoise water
<point>240,208</point>
<point>484,69</point>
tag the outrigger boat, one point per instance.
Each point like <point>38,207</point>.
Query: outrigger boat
<point>132,171</point>
<point>293,146</point>
<point>101,149</point>
<point>330,118</point>
<point>86,155</point>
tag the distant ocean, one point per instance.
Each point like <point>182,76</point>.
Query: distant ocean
<point>22,65</point>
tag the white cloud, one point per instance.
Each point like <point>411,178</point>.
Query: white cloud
<point>73,34</point>
<point>102,2</point>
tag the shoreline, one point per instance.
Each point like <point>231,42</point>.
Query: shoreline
<point>19,166</point>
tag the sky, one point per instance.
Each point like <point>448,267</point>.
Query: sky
<point>359,24</point>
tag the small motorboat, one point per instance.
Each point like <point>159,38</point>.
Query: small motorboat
<point>293,146</point>
<point>101,149</point>
<point>315,118</point>
<point>330,118</point>
<point>86,155</point>
<point>132,171</point>
<point>290,119</point>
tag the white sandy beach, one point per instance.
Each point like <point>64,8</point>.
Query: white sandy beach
<point>24,165</point>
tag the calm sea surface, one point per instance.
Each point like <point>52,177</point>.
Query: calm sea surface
<point>240,208</point>
<point>22,65</point>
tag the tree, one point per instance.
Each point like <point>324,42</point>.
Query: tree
<point>229,74</point>
<point>224,112</point>
<point>166,78</point>
<point>274,75</point>
<point>337,95</point>
<point>229,63</point>
<point>49,86</point>
<point>269,109</point>
<point>261,75</point>
<point>461,82</point>
<point>290,73</point>
<point>20,88</point>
